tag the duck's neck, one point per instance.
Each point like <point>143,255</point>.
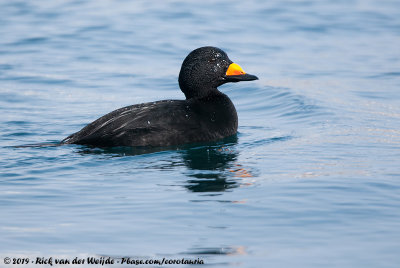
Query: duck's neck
<point>201,93</point>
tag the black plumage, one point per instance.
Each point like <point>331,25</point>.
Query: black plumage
<point>206,115</point>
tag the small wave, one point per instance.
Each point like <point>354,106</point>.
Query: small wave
<point>37,145</point>
<point>216,251</point>
<point>264,141</point>
<point>5,66</point>
<point>266,103</point>
<point>36,78</point>
<point>29,41</point>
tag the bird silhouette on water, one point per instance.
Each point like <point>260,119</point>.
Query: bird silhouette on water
<point>205,115</point>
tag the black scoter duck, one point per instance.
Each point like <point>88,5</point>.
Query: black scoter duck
<point>206,115</point>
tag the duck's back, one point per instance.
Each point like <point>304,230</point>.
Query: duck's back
<point>162,123</point>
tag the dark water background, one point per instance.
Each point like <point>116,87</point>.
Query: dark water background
<point>312,180</point>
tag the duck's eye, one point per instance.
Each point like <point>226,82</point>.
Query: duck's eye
<point>212,60</point>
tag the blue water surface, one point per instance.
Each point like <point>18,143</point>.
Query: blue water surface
<point>311,180</point>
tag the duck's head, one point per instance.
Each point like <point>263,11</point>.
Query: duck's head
<point>206,68</point>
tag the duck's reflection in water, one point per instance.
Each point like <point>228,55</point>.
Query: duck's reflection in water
<point>208,167</point>
<point>211,167</point>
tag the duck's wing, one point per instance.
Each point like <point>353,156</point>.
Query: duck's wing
<point>160,123</point>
